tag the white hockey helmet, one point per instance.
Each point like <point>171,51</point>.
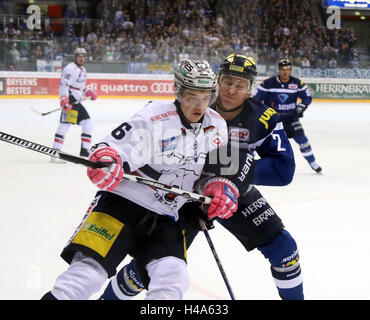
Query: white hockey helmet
<point>80,51</point>
<point>195,74</point>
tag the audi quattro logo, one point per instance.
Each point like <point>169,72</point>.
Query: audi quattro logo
<point>162,87</point>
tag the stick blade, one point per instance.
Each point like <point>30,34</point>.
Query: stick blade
<point>35,111</point>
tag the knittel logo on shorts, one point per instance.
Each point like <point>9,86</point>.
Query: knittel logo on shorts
<point>98,232</point>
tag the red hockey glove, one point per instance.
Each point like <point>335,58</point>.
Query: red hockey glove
<point>224,197</point>
<point>106,178</point>
<point>91,93</point>
<point>64,102</point>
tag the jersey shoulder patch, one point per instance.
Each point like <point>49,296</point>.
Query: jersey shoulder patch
<point>266,116</point>
<point>296,81</point>
<point>70,67</point>
<point>214,114</point>
<point>155,111</point>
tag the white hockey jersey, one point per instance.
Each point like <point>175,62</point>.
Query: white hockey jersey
<point>73,81</point>
<point>155,143</point>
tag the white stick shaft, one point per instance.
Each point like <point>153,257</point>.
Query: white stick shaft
<point>169,188</point>
<point>54,110</point>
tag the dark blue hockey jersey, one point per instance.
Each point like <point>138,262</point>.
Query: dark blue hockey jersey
<point>282,96</point>
<point>258,128</point>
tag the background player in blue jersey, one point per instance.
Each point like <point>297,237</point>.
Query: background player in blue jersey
<point>281,93</point>
<point>253,127</point>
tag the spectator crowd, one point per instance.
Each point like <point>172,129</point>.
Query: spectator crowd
<point>159,31</point>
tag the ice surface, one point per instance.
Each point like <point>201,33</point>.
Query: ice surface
<point>328,215</point>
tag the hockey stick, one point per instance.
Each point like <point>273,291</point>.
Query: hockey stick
<point>148,182</point>
<point>78,160</point>
<point>215,255</point>
<point>54,110</point>
<point>44,113</point>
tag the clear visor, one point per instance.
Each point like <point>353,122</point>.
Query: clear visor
<point>179,93</point>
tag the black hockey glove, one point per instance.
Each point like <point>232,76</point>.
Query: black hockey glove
<point>190,214</point>
<point>300,109</point>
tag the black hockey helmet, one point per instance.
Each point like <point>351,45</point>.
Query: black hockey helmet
<point>284,63</point>
<point>239,66</point>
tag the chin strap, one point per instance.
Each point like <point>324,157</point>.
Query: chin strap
<point>183,119</point>
<point>220,106</point>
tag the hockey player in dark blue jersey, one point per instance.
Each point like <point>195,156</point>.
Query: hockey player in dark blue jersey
<point>253,129</point>
<point>281,93</point>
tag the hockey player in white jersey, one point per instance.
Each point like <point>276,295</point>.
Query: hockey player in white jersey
<point>72,90</point>
<point>256,225</point>
<point>166,141</point>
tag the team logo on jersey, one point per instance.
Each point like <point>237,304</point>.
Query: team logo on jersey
<point>195,145</point>
<point>169,144</point>
<point>217,142</point>
<point>241,134</point>
<point>170,197</point>
<point>283,97</point>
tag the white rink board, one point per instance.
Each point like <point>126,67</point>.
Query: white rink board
<point>327,214</point>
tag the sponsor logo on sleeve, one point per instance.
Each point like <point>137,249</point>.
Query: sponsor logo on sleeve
<point>241,134</point>
<point>266,116</point>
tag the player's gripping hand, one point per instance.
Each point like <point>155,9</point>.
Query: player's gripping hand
<point>91,94</point>
<point>191,213</point>
<point>224,196</point>
<point>106,178</point>
<point>64,102</point>
<point>300,109</point>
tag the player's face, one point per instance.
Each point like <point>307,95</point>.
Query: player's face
<point>80,59</point>
<point>232,91</point>
<point>284,73</point>
<point>194,104</point>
